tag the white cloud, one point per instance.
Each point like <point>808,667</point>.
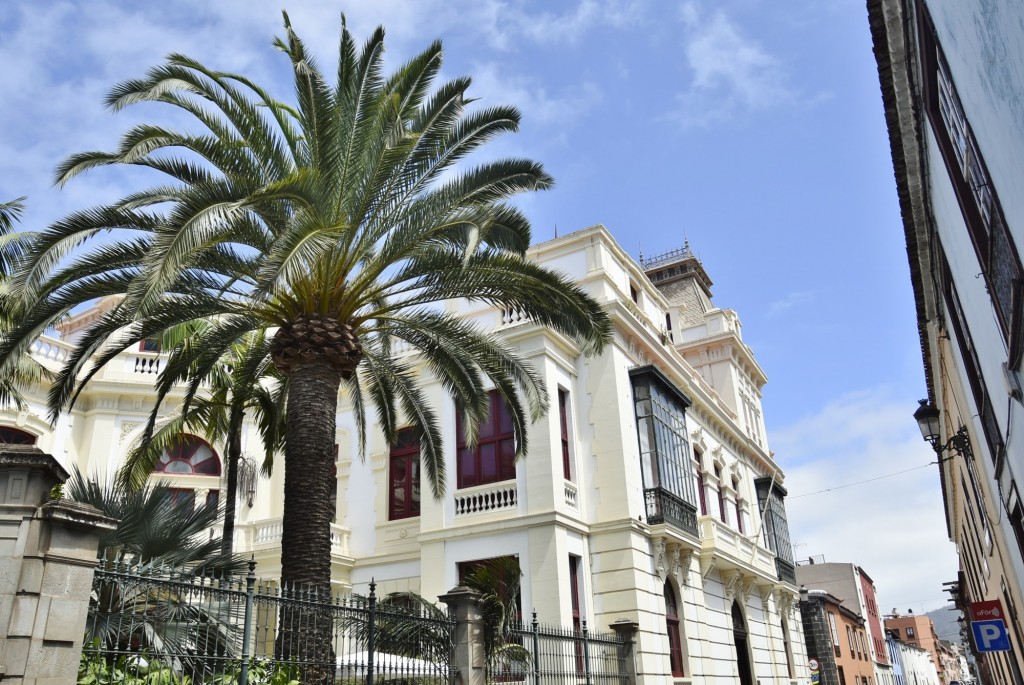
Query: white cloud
<point>732,73</point>
<point>893,525</point>
<point>495,86</point>
<point>789,301</point>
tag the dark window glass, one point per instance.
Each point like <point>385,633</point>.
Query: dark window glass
<point>404,476</point>
<point>149,345</point>
<point>675,642</point>
<point>574,593</point>
<point>183,495</point>
<point>739,510</point>
<point>493,460</point>
<point>212,498</point>
<point>702,493</point>
<point>721,494</point>
<point>13,436</point>
<point>563,423</point>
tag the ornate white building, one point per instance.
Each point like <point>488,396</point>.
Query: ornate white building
<point>649,493</point>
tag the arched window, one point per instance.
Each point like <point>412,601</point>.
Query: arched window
<point>190,456</point>
<point>13,436</point>
<point>675,641</point>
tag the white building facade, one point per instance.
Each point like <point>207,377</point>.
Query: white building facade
<point>951,79</point>
<point>649,493</point>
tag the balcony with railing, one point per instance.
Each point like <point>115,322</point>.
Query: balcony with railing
<point>664,507</point>
<point>264,536</point>
<point>490,498</point>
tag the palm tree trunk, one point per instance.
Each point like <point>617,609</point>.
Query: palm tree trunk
<point>234,458</point>
<point>306,634</point>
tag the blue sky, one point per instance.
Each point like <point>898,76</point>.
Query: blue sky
<point>756,133</point>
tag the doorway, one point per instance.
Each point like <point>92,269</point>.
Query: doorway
<point>739,635</point>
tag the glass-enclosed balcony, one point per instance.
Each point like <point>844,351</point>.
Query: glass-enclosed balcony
<point>665,464</point>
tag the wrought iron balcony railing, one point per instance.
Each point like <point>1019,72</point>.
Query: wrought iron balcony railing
<point>664,507</point>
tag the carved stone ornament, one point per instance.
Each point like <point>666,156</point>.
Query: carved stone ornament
<point>126,429</point>
<point>22,417</point>
<point>661,560</point>
<point>730,584</point>
<point>707,565</point>
<point>682,560</point>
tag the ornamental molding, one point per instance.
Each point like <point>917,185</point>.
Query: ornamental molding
<point>730,585</point>
<point>127,428</point>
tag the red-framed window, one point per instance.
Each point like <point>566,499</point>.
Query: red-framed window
<point>404,476</point>
<point>675,641</point>
<point>563,425</point>
<point>13,436</point>
<point>494,457</point>
<point>574,592</point>
<point>739,505</point>
<point>189,456</point>
<point>721,494</point>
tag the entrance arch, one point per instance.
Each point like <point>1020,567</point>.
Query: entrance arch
<point>740,638</point>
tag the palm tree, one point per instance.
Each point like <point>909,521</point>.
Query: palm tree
<point>244,382</point>
<point>155,533</point>
<point>341,223</point>
<point>25,371</point>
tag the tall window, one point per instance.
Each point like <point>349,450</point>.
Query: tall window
<point>835,633</point>
<point>563,426</point>
<point>404,476</point>
<point>849,638</point>
<point>979,202</point>
<point>675,641</point>
<point>493,458</point>
<point>787,648</point>
<point>721,493</point>
<point>665,461</point>
<point>771,502</point>
<point>701,492</point>
<point>574,594</point>
<point>738,504</point>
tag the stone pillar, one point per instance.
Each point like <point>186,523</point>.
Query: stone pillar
<point>47,558</point>
<point>626,631</point>
<point>469,635</point>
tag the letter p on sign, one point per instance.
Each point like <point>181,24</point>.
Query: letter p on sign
<point>990,636</point>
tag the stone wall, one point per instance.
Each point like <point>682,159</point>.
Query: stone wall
<point>47,557</point>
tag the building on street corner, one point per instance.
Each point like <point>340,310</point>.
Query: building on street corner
<point>649,495</point>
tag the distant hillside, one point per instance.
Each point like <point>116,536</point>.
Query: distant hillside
<point>946,626</point>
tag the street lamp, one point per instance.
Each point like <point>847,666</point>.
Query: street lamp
<point>927,417</point>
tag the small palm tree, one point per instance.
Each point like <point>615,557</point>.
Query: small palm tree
<point>245,382</point>
<point>156,533</point>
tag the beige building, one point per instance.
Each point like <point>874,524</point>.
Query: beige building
<point>950,76</point>
<point>649,493</point>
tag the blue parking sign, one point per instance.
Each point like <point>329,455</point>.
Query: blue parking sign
<point>990,636</point>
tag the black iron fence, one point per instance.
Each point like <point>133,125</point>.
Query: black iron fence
<point>151,624</point>
<point>537,654</point>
